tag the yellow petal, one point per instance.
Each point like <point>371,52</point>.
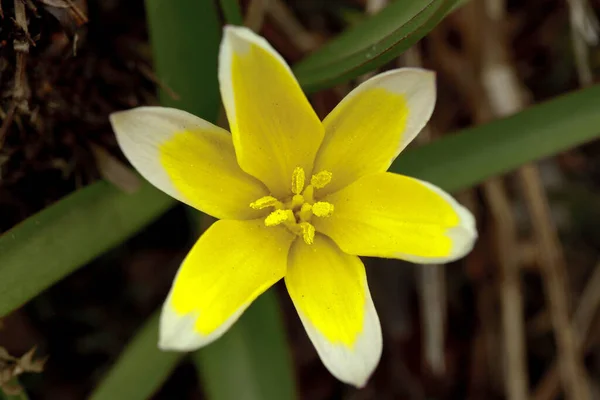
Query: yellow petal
<point>329,290</point>
<point>230,266</point>
<point>390,215</point>
<point>189,159</point>
<point>274,127</point>
<point>372,124</point>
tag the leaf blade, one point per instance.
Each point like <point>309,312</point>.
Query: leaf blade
<point>54,242</point>
<point>128,378</point>
<point>253,353</point>
<point>231,11</point>
<point>472,155</point>
<point>372,43</point>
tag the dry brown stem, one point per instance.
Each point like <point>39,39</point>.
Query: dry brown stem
<point>288,23</point>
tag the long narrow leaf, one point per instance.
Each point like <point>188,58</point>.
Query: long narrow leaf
<point>371,43</point>
<point>140,370</point>
<point>231,11</point>
<point>466,158</point>
<point>69,234</point>
<point>251,360</point>
<point>185,36</point>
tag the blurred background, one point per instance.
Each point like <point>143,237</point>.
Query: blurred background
<point>515,319</point>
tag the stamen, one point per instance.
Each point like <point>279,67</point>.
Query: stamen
<point>322,209</point>
<point>308,232</point>
<point>309,193</point>
<point>321,179</point>
<point>279,216</point>
<point>298,178</point>
<point>264,202</point>
<point>305,212</point>
<point>295,213</point>
<point>297,201</point>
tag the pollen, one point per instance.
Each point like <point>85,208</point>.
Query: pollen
<point>308,232</point>
<point>320,180</point>
<point>264,202</point>
<point>322,209</point>
<point>298,178</point>
<point>296,210</point>
<point>278,217</point>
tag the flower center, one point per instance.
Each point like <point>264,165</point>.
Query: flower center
<point>297,211</point>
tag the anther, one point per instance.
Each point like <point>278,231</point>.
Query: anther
<point>321,179</point>
<point>278,217</point>
<point>308,232</point>
<point>298,178</point>
<point>264,202</point>
<point>322,209</point>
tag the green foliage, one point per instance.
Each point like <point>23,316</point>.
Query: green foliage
<point>371,43</point>
<point>141,368</point>
<point>469,157</point>
<point>231,12</point>
<point>254,354</point>
<point>67,235</point>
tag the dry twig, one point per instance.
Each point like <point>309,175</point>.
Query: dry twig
<point>589,304</point>
<point>510,290</point>
<point>570,364</point>
<point>433,307</point>
<point>304,40</point>
<point>506,97</point>
<point>255,14</point>
<point>584,32</point>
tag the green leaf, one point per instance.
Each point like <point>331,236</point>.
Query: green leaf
<point>469,157</point>
<point>185,37</point>
<point>140,369</point>
<point>371,43</point>
<point>53,243</point>
<point>231,11</point>
<point>251,361</point>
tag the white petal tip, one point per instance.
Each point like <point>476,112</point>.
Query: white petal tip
<point>351,366</point>
<point>176,332</point>
<point>240,38</point>
<point>117,118</point>
<point>405,77</point>
<point>134,117</point>
<point>236,29</point>
<point>355,369</point>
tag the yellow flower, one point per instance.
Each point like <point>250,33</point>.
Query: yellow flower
<point>297,198</point>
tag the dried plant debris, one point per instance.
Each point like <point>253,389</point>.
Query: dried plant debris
<point>11,367</point>
<point>58,93</point>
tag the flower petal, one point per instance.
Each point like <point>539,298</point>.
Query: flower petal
<point>372,124</point>
<point>390,215</point>
<point>189,159</point>
<point>329,290</point>
<point>230,266</point>
<point>273,125</point>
